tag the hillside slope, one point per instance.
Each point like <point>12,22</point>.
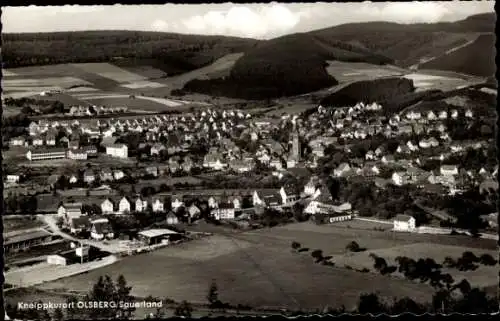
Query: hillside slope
<point>285,66</point>
<point>172,53</point>
<point>408,44</point>
<point>478,58</point>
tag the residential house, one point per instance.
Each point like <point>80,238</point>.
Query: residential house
<point>107,206</point>
<point>311,186</point>
<point>17,141</point>
<point>187,164</point>
<point>141,204</point>
<point>213,202</point>
<point>431,115</point>
<point>77,154</point>
<point>404,223</point>
<point>156,149</point>
<point>152,170</point>
<point>37,141</point>
<point>289,194</point>
<point>124,205</point>
<point>235,200</point>
<point>89,176</point>
<point>157,205</point>
<point>118,174</point>
<point>386,159</point>
<point>106,175</point>
<point>443,114</point>
<point>171,218</point>
<point>193,211</point>
<point>449,170</point>
<point>117,150</point>
<point>101,229</point>
<point>469,114</point>
<point>342,169</point>
<point>225,211</point>
<point>50,140</point>
<point>79,224</point>
<point>177,202</point>
<point>12,178</point>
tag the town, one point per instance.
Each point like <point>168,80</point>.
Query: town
<point>331,171</point>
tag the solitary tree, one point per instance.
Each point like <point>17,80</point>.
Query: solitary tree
<point>213,294</point>
<point>57,315</point>
<point>295,245</point>
<point>184,309</point>
<point>353,247</point>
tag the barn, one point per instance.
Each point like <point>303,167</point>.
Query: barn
<point>21,240</point>
<point>157,236</point>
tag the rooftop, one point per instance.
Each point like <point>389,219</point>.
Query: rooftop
<point>157,232</point>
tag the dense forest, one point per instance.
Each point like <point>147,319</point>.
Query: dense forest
<point>285,66</point>
<point>368,91</point>
<point>174,52</point>
<point>408,43</point>
<point>476,59</point>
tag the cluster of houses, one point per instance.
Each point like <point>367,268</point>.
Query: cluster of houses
<point>95,110</point>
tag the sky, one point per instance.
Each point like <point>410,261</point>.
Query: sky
<point>261,21</point>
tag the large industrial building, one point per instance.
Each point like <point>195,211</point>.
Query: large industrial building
<point>21,240</point>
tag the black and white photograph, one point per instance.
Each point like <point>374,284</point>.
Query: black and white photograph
<point>256,159</point>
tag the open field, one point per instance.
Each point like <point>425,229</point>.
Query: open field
<point>345,71</point>
<point>110,71</point>
<point>482,277</point>
<point>255,262</point>
<point>218,69</point>
<point>423,81</point>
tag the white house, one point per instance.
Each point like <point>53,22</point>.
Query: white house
<point>468,113</point>
<point>107,207</point>
<point>443,114</point>
<point>449,170</point>
<point>177,203</point>
<point>399,178</point>
<point>225,211</point>
<point>311,186</point>
<point>157,205</point>
<point>404,223</point>
<point>212,202</point>
<point>13,178</point>
<point>288,195</point>
<point>140,205</point>
<point>117,150</point>
<point>341,169</point>
<point>172,219</point>
<point>101,229</point>
<point>124,205</point>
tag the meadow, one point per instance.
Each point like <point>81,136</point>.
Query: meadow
<point>346,71</point>
<point>257,268</point>
<point>482,277</point>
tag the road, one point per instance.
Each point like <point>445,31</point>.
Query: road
<point>44,272</point>
<point>51,221</point>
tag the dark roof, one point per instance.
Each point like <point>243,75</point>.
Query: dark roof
<point>102,227</point>
<point>82,221</point>
<point>31,235</point>
<point>402,218</point>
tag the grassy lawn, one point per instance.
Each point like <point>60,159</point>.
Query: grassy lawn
<point>256,268</point>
